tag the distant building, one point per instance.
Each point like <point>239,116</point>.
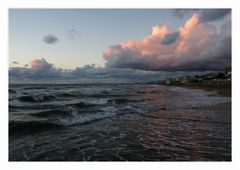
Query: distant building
<point>184,81</point>
<point>178,78</point>
<point>168,81</point>
<point>228,73</point>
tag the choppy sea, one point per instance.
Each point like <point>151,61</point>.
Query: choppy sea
<point>126,122</point>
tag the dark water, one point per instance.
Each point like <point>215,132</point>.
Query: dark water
<point>117,122</point>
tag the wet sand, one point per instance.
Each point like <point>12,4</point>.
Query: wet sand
<point>218,107</point>
<point>223,107</point>
<point>220,91</point>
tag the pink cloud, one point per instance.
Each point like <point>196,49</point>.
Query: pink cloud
<point>40,65</point>
<point>194,46</point>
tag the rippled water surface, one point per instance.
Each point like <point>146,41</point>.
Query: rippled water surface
<point>117,122</point>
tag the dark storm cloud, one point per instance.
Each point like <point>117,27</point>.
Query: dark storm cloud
<point>205,15</point>
<point>50,39</point>
<point>170,38</point>
<point>208,15</point>
<point>180,13</point>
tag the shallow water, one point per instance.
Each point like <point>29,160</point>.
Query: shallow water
<point>117,122</point>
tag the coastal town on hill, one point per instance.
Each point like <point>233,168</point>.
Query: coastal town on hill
<point>220,80</point>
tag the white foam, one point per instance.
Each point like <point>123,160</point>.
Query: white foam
<point>85,119</point>
<point>131,109</point>
<point>77,118</point>
<point>108,111</point>
<point>97,101</point>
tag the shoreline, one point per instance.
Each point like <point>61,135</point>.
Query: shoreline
<point>220,91</point>
<point>227,107</point>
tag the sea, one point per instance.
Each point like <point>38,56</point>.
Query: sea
<point>123,122</point>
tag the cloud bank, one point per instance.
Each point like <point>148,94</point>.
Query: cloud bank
<point>40,71</point>
<point>35,70</point>
<point>196,46</point>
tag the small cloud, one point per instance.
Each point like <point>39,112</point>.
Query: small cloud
<point>15,62</point>
<point>50,39</point>
<point>73,34</point>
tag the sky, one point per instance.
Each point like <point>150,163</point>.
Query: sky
<point>116,45</point>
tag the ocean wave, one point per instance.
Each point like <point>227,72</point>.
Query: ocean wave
<point>49,113</point>
<point>121,101</point>
<point>89,117</point>
<point>118,101</point>
<point>82,105</point>
<point>97,101</point>
<point>11,91</point>
<point>72,116</point>
<point>68,95</point>
<point>34,87</point>
<point>103,113</point>
<point>130,109</point>
<point>54,114</point>
<point>103,95</point>
<point>30,126</point>
<point>39,98</point>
